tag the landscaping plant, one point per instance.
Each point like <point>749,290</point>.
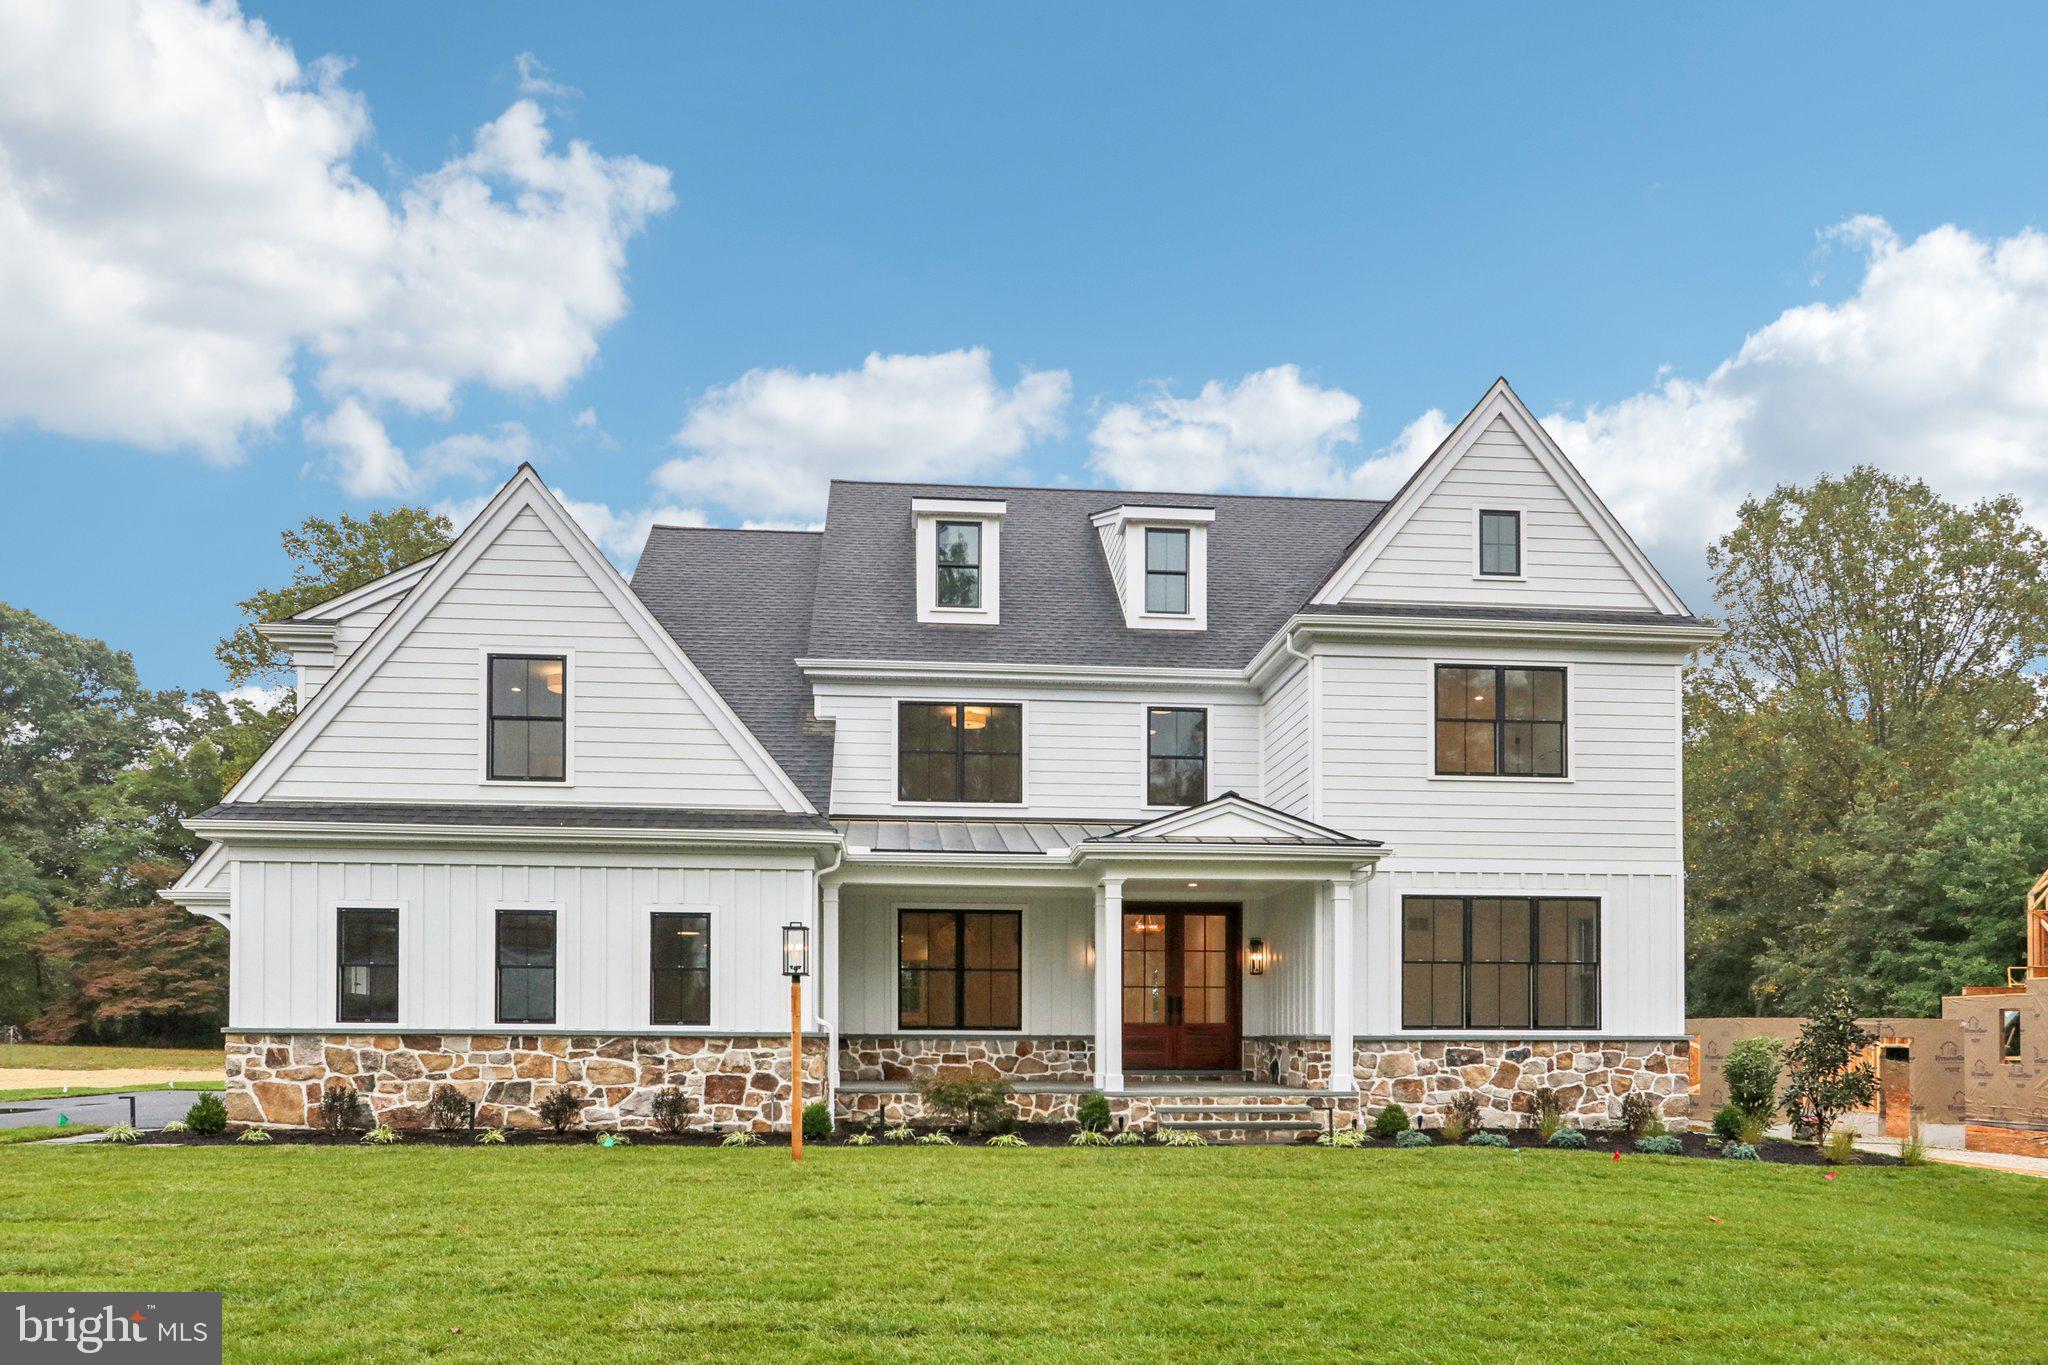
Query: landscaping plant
<point>1568,1139</point>
<point>1089,1137</point>
<point>1549,1113</point>
<point>670,1110</point>
<point>341,1109</point>
<point>861,1140</point>
<point>1840,1145</point>
<point>1638,1114</point>
<point>1181,1137</point>
<point>817,1121</point>
<point>1825,1074</point>
<point>122,1132</point>
<point>1913,1150</point>
<point>1092,1113</point>
<point>1487,1140</point>
<point>932,1140</point>
<point>1661,1144</point>
<point>491,1137</point>
<point>253,1135</point>
<point>978,1105</point>
<point>1463,1117</point>
<point>1126,1138</point>
<point>1751,1070</point>
<point>451,1111</point>
<point>742,1138</point>
<point>1739,1151</point>
<point>380,1136</point>
<point>1411,1137</point>
<point>1728,1121</point>
<point>558,1108</point>
<point>1005,1140</point>
<point>1389,1122</point>
<point>208,1116</point>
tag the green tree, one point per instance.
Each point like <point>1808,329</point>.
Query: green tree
<point>328,559</point>
<point>1825,1074</point>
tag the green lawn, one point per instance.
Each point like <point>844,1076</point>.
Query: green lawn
<point>36,1132</point>
<point>65,1057</point>
<point>942,1254</point>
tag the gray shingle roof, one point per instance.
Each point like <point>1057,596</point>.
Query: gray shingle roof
<point>739,604</point>
<point>540,817</point>
<point>1266,556</point>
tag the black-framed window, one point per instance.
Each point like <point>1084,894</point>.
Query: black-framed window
<point>959,751</point>
<point>680,967</point>
<point>959,564</point>
<point>367,953</point>
<point>1500,544</point>
<point>1500,722</point>
<point>526,966</point>
<point>1500,962</point>
<point>529,718</point>
<point>1176,755</point>
<point>1166,570</point>
<point>960,969</point>
<point>2009,1035</point>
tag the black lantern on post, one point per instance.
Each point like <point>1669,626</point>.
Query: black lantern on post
<point>796,965</point>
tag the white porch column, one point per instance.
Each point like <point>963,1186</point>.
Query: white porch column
<point>1343,989</point>
<point>1109,985</point>
<point>828,981</point>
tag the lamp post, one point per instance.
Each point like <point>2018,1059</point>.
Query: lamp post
<point>796,964</point>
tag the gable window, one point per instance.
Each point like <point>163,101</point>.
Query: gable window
<point>1500,962</point>
<point>526,966</point>
<point>1176,756</point>
<point>680,987</point>
<point>959,969</point>
<point>529,718</point>
<point>1166,570</point>
<point>959,751</point>
<point>2009,1035</point>
<point>1500,544</point>
<point>368,955</point>
<point>1499,722</point>
<point>959,564</point>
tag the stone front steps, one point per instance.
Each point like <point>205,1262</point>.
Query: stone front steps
<point>1247,1120</point>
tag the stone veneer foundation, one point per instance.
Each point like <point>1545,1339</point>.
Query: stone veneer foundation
<point>1590,1077</point>
<point>275,1080</point>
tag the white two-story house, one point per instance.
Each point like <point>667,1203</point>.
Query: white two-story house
<point>1188,799</point>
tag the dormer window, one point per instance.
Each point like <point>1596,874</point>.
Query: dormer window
<point>1500,543</point>
<point>959,564</point>
<point>1166,570</point>
<point>959,560</point>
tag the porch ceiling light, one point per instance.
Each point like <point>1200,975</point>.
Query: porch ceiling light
<point>1256,956</point>
<point>796,951</point>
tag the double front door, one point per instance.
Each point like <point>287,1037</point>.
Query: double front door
<point>1181,991</point>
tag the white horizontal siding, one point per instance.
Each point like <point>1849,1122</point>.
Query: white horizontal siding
<point>1084,753</point>
<point>1058,932</point>
<point>1620,804</point>
<point>1566,564</point>
<point>413,732</point>
<point>283,947</point>
<point>1287,734</point>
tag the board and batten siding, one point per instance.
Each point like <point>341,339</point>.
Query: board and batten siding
<point>1084,752</point>
<point>1619,803</point>
<point>283,968</point>
<point>414,730</point>
<point>1565,563</point>
<point>1287,732</point>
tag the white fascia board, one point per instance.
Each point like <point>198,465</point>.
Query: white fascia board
<point>364,832</point>
<point>1150,515</point>
<point>370,593</point>
<point>297,635</point>
<point>1307,627</point>
<point>957,507</point>
<point>1094,675</point>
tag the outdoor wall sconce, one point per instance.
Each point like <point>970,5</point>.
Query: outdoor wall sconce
<point>1256,956</point>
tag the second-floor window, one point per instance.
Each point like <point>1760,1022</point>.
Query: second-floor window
<point>959,751</point>
<point>959,564</point>
<point>1166,571</point>
<point>1500,544</point>
<point>529,718</point>
<point>1176,756</point>
<point>1499,722</point>
<point>368,989</point>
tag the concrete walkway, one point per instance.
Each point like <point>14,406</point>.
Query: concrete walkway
<point>1986,1161</point>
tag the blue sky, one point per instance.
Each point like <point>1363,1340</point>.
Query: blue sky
<point>1638,217</point>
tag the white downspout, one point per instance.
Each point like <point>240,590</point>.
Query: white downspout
<point>829,945</point>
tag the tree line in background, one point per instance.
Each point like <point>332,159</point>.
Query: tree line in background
<point>96,773</point>
<point>1866,775</point>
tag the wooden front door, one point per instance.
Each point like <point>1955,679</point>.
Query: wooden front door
<point>1181,989</point>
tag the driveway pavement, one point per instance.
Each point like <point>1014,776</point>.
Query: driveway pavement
<point>153,1108</point>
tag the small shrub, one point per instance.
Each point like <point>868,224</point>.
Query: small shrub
<point>451,1111</point>
<point>558,1108</point>
<point>902,1132</point>
<point>932,1140</point>
<point>1549,1113</point>
<point>1752,1129</point>
<point>1567,1139</point>
<point>1487,1140</point>
<point>1389,1121</point>
<point>1728,1122</point>
<point>1463,1117</point>
<point>1090,1137</point>
<point>742,1138</point>
<point>176,1126</point>
<point>1411,1137</point>
<point>380,1136</point>
<point>1092,1113</point>
<point>491,1137</point>
<point>1126,1138</point>
<point>1181,1137</point>
<point>980,1106</point>
<point>1349,1137</point>
<point>341,1109</point>
<point>1661,1145</point>
<point>861,1140</point>
<point>208,1117</point>
<point>1751,1070</point>
<point>1739,1151</point>
<point>817,1121</point>
<point>1840,1145</point>
<point>1638,1112</point>
<point>253,1136</point>
<point>1912,1151</point>
<point>670,1109</point>
<point>1005,1140</point>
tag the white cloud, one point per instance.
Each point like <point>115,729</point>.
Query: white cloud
<point>620,534</point>
<point>535,79</point>
<point>586,420</point>
<point>180,222</point>
<point>360,453</point>
<point>1271,432</point>
<point>769,442</point>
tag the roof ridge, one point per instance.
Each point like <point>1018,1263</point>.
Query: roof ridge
<point>1117,492</point>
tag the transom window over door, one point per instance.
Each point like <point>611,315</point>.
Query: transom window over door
<point>526,966</point>
<point>1176,756</point>
<point>959,751</point>
<point>1500,722</point>
<point>368,955</point>
<point>959,969</point>
<point>959,564</point>
<point>680,968</point>
<point>529,718</point>
<point>1498,962</point>
<point>1500,544</point>
<point>1166,571</point>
